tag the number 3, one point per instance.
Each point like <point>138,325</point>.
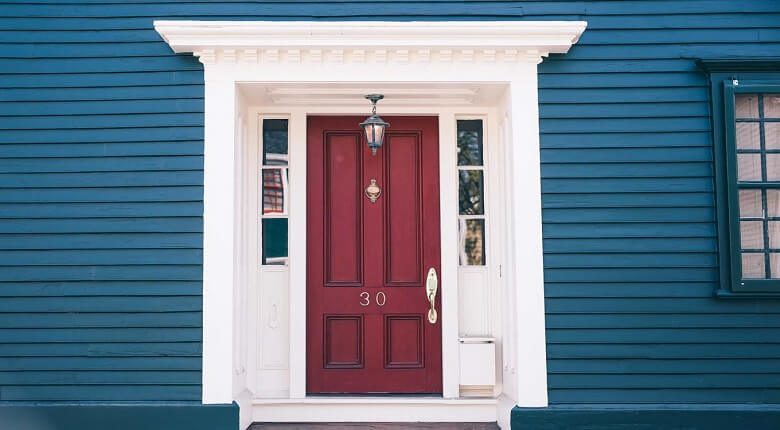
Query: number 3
<point>366,298</point>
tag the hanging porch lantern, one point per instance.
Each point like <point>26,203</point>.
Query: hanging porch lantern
<point>374,127</point>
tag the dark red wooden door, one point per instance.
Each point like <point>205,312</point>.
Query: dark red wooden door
<point>367,324</point>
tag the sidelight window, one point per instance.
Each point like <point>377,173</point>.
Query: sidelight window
<point>471,192</point>
<point>274,190</point>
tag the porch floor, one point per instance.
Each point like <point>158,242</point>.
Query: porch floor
<point>374,426</point>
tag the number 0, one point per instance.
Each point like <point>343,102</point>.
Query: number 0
<point>381,299</point>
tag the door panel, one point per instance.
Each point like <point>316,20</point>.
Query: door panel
<point>343,218</point>
<point>404,196</point>
<point>367,326</point>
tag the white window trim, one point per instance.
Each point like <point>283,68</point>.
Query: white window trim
<point>446,52</point>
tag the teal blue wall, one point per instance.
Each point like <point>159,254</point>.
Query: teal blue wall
<point>101,199</point>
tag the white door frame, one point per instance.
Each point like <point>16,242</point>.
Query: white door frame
<point>430,52</point>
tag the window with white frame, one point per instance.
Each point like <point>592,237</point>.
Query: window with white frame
<point>274,191</point>
<point>471,192</point>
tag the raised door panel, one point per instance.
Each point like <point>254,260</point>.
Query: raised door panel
<point>403,250</point>
<point>343,241</point>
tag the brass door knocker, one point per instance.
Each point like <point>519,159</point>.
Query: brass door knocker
<point>373,191</point>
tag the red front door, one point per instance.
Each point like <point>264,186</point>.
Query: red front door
<point>367,310</point>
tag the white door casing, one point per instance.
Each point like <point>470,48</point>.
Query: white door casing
<point>300,53</point>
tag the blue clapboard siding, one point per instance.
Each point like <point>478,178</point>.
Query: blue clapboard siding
<point>100,198</point>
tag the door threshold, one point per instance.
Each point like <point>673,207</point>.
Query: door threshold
<point>374,409</point>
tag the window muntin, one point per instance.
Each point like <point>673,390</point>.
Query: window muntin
<point>752,131</point>
<point>274,192</point>
<point>471,192</point>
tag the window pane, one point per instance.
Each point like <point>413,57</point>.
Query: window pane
<point>753,266</point>
<point>275,191</point>
<point>774,264</point>
<point>275,142</point>
<point>773,202</point>
<point>772,135</point>
<point>750,204</point>
<point>472,242</point>
<point>773,167</point>
<point>774,234</point>
<point>470,142</point>
<point>471,192</point>
<point>751,234</point>
<point>771,105</point>
<point>749,167</point>
<point>275,241</point>
<point>748,136</point>
<point>746,105</point>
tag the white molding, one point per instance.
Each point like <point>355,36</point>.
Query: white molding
<point>448,209</point>
<point>304,53</point>
<point>368,41</point>
<point>297,250</point>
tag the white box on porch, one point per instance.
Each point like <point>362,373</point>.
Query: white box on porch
<point>477,366</point>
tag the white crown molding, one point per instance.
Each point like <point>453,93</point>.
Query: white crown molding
<point>265,42</point>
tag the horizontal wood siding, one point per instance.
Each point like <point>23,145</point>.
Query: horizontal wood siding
<point>629,223</point>
<point>101,148</point>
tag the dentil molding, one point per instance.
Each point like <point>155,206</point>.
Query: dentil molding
<point>267,42</point>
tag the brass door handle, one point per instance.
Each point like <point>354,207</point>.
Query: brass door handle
<point>431,287</point>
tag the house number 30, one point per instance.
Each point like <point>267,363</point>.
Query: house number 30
<point>380,298</point>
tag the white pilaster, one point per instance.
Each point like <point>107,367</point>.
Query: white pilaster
<point>218,240</point>
<point>525,229</point>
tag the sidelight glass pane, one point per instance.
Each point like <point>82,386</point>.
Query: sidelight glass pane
<point>471,234</point>
<point>746,105</point>
<point>751,234</point>
<point>772,135</point>
<point>773,167</point>
<point>470,142</point>
<point>275,241</point>
<point>748,136</point>
<point>749,167</point>
<point>275,142</point>
<point>471,191</point>
<point>750,204</point>
<point>771,105</point>
<point>753,266</point>
<point>275,190</point>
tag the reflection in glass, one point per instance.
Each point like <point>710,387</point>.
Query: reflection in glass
<point>275,241</point>
<point>746,105</point>
<point>774,234</point>
<point>751,234</point>
<point>275,189</point>
<point>275,142</point>
<point>772,135</point>
<point>471,190</point>
<point>471,234</point>
<point>749,167</point>
<point>772,167</point>
<point>771,105</point>
<point>753,266</point>
<point>773,203</point>
<point>470,142</point>
<point>774,264</point>
<point>750,204</point>
<point>748,136</point>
